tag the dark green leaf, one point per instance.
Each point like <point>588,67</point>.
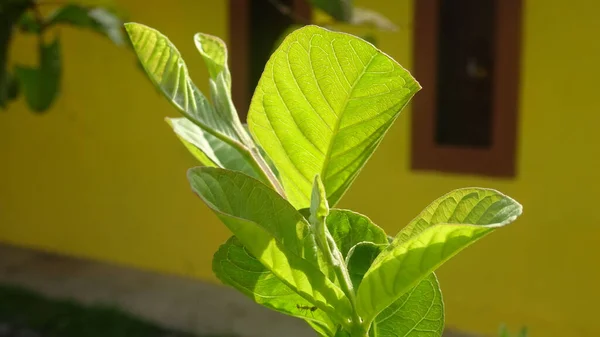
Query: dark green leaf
<point>13,87</point>
<point>360,258</point>
<point>28,23</point>
<point>41,85</point>
<point>349,228</point>
<point>235,266</point>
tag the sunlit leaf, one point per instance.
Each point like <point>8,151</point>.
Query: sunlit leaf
<point>208,149</point>
<point>322,106</point>
<point>418,313</point>
<point>444,228</point>
<point>234,265</point>
<point>272,231</point>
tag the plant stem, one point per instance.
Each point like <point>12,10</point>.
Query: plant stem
<point>261,165</point>
<point>343,276</point>
<point>336,260</point>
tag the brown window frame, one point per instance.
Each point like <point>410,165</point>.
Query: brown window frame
<point>499,160</point>
<point>239,48</point>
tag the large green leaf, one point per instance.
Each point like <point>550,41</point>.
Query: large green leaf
<point>208,149</point>
<point>274,232</point>
<point>41,84</point>
<point>445,227</point>
<point>418,313</point>
<point>322,105</point>
<point>234,265</point>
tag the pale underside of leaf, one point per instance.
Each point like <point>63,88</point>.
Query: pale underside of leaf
<point>322,106</point>
<point>208,149</point>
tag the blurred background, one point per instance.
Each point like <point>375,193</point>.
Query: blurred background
<point>100,234</point>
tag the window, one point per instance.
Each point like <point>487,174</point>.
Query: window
<point>467,60</point>
<point>255,26</point>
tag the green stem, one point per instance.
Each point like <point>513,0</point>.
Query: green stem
<point>335,259</point>
<point>261,165</point>
<point>343,276</point>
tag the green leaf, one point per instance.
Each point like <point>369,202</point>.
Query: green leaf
<point>359,259</point>
<point>341,10</point>
<point>167,70</point>
<point>234,265</point>
<point>195,140</point>
<point>208,149</point>
<point>418,313</point>
<point>99,19</point>
<point>272,231</point>
<point>349,228</point>
<point>70,14</point>
<point>214,53</point>
<point>13,87</point>
<point>41,85</point>
<point>28,24</point>
<point>322,106</point>
<point>444,228</point>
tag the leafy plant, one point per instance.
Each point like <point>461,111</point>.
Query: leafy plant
<point>322,106</point>
<point>41,84</point>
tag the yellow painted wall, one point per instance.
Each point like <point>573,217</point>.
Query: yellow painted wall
<point>102,176</point>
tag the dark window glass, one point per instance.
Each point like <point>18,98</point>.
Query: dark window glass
<point>267,24</point>
<point>465,73</point>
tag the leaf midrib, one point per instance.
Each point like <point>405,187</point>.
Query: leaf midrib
<point>336,127</point>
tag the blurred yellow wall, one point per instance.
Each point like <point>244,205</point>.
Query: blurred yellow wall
<point>101,176</point>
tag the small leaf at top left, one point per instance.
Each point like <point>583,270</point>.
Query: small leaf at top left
<point>41,85</point>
